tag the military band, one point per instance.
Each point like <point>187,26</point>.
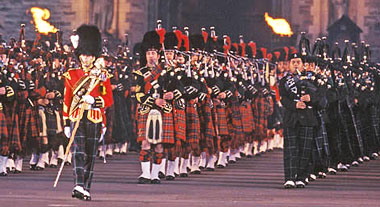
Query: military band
<point>186,103</point>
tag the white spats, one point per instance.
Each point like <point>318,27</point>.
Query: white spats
<point>183,167</point>
<point>176,166</point>
<point>33,159</point>
<point>211,162</point>
<point>170,169</point>
<point>163,166</point>
<point>195,164</point>
<point>145,168</point>
<point>18,164</point>
<point>3,164</point>
<point>155,170</point>
<point>203,160</point>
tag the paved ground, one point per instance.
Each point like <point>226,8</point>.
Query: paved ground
<point>250,182</point>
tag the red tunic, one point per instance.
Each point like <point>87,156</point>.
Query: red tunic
<point>96,115</point>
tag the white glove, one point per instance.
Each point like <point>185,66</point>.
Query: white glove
<point>67,131</point>
<point>88,99</point>
<point>104,129</point>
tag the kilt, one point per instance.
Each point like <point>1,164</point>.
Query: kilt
<point>239,137</point>
<point>13,128</point>
<point>221,121</point>
<point>179,124</point>
<point>4,137</point>
<point>246,117</point>
<point>262,108</point>
<point>30,130</point>
<point>193,128</point>
<point>167,127</point>
<point>207,127</point>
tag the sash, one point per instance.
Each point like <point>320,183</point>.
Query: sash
<point>290,84</point>
<point>81,88</point>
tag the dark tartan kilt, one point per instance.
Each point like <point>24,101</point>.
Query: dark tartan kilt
<point>13,128</point>
<point>179,124</point>
<point>31,129</point>
<point>4,136</point>
<point>193,129</point>
<point>167,127</point>
<point>260,119</point>
<point>222,121</point>
<point>246,117</point>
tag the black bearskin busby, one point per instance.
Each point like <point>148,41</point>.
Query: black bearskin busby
<point>171,41</point>
<point>150,41</point>
<point>90,41</point>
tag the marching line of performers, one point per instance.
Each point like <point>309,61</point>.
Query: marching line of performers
<point>190,102</point>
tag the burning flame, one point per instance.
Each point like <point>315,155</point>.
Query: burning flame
<point>279,26</point>
<point>39,18</point>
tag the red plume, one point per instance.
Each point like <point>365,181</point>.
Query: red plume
<point>242,45</point>
<point>253,47</point>
<point>269,56</point>
<point>277,54</point>
<point>185,39</point>
<point>178,34</point>
<point>293,50</point>
<point>204,35</point>
<point>264,51</point>
<point>161,32</point>
<point>286,53</point>
<point>236,46</point>
<point>227,46</point>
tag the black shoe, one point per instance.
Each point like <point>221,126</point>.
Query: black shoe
<point>176,175</point>
<point>17,172</point>
<point>242,154</point>
<point>143,180</point>
<point>67,163</point>
<point>258,155</point>
<point>3,174</point>
<point>108,156</point>
<point>249,156</point>
<point>77,194</point>
<point>101,158</point>
<point>123,153</point>
<point>53,166</point>
<point>188,169</point>
<point>300,184</point>
<point>231,161</point>
<point>60,161</point>
<point>196,172</point>
<point>289,184</point>
<point>86,198</point>
<point>156,181</point>
<point>38,168</point>
<point>210,169</point>
<point>32,167</point>
<point>169,177</point>
<point>183,175</point>
<point>220,166</point>
<point>161,175</point>
<point>237,158</point>
<point>201,167</point>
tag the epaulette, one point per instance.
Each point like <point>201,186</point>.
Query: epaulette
<point>108,75</point>
<point>67,73</point>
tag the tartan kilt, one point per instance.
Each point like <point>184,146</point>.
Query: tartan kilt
<point>13,128</point>
<point>31,130</point>
<point>167,127</point>
<point>193,128</point>
<point>246,117</point>
<point>4,136</point>
<point>259,118</point>
<point>222,121</point>
<point>179,124</point>
<point>207,127</point>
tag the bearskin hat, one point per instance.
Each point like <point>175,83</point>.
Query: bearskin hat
<point>171,41</point>
<point>197,42</point>
<point>151,40</point>
<point>89,41</point>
